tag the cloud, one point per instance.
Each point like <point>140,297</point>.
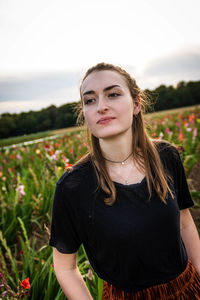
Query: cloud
<point>185,62</point>
<point>39,86</point>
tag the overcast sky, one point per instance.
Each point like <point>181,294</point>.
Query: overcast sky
<point>47,45</point>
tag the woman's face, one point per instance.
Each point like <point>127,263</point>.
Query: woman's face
<point>108,107</point>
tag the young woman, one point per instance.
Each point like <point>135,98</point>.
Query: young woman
<point>127,201</point>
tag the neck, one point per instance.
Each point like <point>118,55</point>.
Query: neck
<point>117,148</point>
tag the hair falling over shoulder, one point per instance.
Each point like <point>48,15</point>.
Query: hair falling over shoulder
<point>145,152</point>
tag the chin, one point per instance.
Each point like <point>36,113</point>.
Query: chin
<point>110,134</point>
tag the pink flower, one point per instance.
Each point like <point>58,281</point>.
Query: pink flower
<point>18,156</point>
<point>20,189</point>
<point>178,124</point>
<point>55,155</point>
<point>189,129</point>
<point>89,274</point>
<point>195,132</point>
<point>167,130</point>
<point>4,294</point>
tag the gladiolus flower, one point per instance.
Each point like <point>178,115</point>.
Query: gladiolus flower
<point>198,120</point>
<point>1,174</point>
<point>51,152</point>
<point>18,156</point>
<point>191,118</point>
<point>167,130</point>
<point>71,150</point>
<point>195,132</point>
<point>68,165</point>
<point>4,178</point>
<point>178,124</point>
<point>4,294</point>
<point>181,136</point>
<point>25,284</point>
<point>89,274</point>
<point>189,129</point>
<point>20,189</point>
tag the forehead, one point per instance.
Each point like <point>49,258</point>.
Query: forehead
<point>99,80</point>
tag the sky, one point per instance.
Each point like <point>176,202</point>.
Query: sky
<point>47,46</point>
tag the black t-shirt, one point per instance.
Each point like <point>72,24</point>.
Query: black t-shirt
<point>136,242</point>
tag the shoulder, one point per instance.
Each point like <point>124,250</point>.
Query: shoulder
<point>76,177</point>
<point>166,149</point>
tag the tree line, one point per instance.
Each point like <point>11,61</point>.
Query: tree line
<point>52,117</point>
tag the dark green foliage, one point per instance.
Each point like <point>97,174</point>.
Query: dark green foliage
<point>184,94</point>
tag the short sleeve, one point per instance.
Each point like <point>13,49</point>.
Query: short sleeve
<point>65,227</point>
<point>183,194</point>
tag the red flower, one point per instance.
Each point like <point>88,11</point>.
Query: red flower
<point>68,165</point>
<point>25,284</point>
<point>191,118</point>
<point>180,136</point>
<point>51,152</point>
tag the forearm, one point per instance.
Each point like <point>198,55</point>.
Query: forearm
<point>191,240</point>
<point>73,284</point>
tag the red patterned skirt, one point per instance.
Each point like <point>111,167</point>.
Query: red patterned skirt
<point>185,286</point>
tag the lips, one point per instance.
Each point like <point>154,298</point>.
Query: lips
<point>105,120</point>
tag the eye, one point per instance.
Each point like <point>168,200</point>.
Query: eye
<point>114,95</point>
<point>88,101</point>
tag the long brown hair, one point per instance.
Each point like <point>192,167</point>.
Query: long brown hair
<point>144,149</point>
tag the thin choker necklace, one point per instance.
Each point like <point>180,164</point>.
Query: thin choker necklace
<point>119,162</point>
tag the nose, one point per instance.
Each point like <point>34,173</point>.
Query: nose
<point>102,105</point>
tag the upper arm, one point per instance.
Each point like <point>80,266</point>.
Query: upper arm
<point>185,218</point>
<point>64,261</point>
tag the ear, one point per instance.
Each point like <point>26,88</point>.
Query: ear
<point>137,106</point>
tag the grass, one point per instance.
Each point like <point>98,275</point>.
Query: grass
<point>34,136</point>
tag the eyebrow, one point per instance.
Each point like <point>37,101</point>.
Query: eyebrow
<point>106,89</point>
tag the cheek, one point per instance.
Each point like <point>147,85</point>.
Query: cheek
<point>88,118</point>
<point>127,111</point>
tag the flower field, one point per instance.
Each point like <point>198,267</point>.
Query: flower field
<point>28,175</point>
